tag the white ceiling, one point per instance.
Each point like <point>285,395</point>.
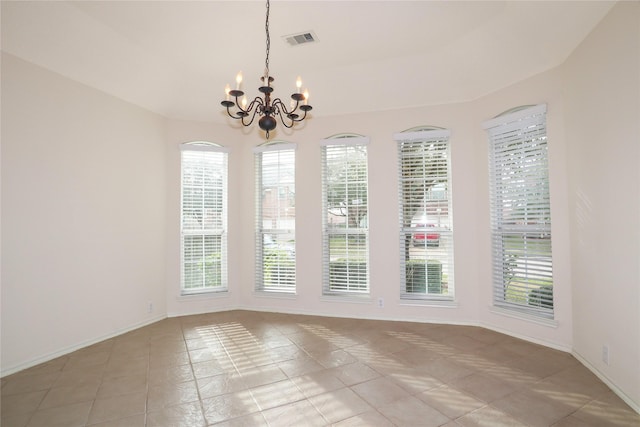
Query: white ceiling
<point>175,57</point>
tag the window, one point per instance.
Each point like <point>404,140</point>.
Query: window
<point>203,218</point>
<point>275,218</point>
<point>426,234</point>
<point>520,211</point>
<point>345,216</point>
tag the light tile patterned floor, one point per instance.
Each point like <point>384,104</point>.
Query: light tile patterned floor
<point>243,368</point>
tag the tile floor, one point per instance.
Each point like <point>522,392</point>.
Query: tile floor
<point>243,368</point>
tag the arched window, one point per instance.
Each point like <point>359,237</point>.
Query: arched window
<point>275,217</point>
<point>426,229</point>
<point>203,217</point>
<point>345,219</point>
<point>520,211</point>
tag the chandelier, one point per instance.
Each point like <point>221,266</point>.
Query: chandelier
<point>266,108</point>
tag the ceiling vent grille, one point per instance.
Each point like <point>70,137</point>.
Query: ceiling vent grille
<point>301,38</point>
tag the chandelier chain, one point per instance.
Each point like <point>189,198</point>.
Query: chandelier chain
<point>266,61</point>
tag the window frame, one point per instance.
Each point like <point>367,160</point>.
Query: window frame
<point>437,273</point>
<point>522,257</point>
<point>355,283</point>
<point>285,250</point>
<point>217,155</point>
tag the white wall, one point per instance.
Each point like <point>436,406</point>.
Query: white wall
<point>586,313</point>
<point>73,151</point>
<point>83,215</point>
<point>602,91</point>
<point>383,216</point>
<point>470,215</point>
<point>240,211</point>
<point>543,88</point>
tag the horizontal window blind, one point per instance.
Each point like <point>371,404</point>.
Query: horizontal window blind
<point>521,212</point>
<point>426,233</point>
<point>275,218</point>
<point>345,216</point>
<point>203,218</point>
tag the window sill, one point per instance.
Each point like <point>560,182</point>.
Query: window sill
<point>429,303</point>
<point>202,295</point>
<point>355,299</point>
<point>275,294</point>
<point>551,323</point>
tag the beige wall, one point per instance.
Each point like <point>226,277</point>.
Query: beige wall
<point>180,132</point>
<point>126,208</point>
<point>83,215</point>
<point>602,120</point>
<point>471,210</point>
<point>470,216</point>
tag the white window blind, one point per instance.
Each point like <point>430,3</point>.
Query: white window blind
<point>203,218</point>
<point>426,233</point>
<point>345,216</point>
<point>275,218</point>
<point>520,212</point>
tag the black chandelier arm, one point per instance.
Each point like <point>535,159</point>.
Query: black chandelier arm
<point>255,107</point>
<point>253,116</point>
<point>280,109</point>
<point>293,115</point>
<point>230,104</point>
<point>296,117</point>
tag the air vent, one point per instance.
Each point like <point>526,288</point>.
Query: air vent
<point>301,38</point>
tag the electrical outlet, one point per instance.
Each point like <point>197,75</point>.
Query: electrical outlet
<point>150,307</point>
<point>380,302</point>
<point>605,354</point>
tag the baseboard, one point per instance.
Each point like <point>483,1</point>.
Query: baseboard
<point>621,394</point>
<point>634,405</point>
<point>50,356</point>
<point>45,358</point>
<point>359,316</point>
<point>527,338</point>
<point>205,311</point>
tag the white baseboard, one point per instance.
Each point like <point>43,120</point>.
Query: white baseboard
<point>36,361</point>
<point>527,338</point>
<point>359,316</point>
<point>50,356</point>
<point>621,394</point>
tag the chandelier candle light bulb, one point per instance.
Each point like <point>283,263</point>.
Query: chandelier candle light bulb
<point>265,107</point>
